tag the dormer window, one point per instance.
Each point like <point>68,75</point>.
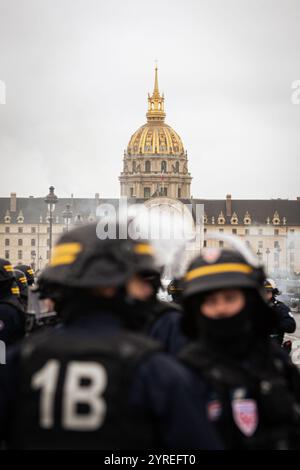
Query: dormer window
<point>221,219</point>
<point>7,219</point>
<point>247,219</point>
<point>20,218</point>
<point>276,219</point>
<point>234,219</point>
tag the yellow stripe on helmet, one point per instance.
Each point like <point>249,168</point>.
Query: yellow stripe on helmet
<point>143,249</point>
<point>15,290</point>
<point>8,268</point>
<point>30,271</point>
<point>66,253</point>
<point>217,269</point>
<point>23,280</point>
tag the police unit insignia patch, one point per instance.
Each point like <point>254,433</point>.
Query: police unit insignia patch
<point>245,415</point>
<point>214,410</point>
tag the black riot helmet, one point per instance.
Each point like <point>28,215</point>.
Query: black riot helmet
<point>28,271</point>
<point>175,289</point>
<point>6,271</point>
<point>270,286</point>
<point>220,269</point>
<point>8,285</point>
<point>82,260</point>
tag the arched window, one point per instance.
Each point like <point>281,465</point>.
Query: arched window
<point>148,167</point>
<point>163,167</point>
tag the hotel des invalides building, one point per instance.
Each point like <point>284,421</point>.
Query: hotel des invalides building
<point>155,173</point>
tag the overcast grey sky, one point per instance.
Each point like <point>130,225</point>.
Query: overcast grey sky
<point>77,74</point>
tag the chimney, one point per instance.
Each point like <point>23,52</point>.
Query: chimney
<point>228,205</point>
<point>13,202</point>
<point>97,199</point>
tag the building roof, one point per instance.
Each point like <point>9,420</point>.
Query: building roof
<point>34,210</point>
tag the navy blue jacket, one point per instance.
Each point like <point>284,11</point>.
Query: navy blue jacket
<point>285,320</point>
<point>12,323</point>
<point>162,388</point>
<point>167,330</point>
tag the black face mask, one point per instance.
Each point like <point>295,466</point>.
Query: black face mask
<point>133,313</point>
<point>232,335</point>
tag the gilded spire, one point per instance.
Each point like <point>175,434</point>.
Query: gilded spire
<point>156,90</point>
<point>156,103</point>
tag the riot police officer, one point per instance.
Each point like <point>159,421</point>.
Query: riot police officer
<point>285,320</point>
<point>164,320</point>
<point>95,382</point>
<point>253,390</point>
<point>12,317</point>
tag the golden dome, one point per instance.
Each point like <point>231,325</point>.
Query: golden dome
<point>155,137</point>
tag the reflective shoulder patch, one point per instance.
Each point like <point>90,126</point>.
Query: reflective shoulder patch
<point>245,415</point>
<point>290,314</point>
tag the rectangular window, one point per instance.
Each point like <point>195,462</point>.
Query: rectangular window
<point>7,229</point>
<point>221,244</point>
<point>205,243</point>
<point>6,254</point>
<point>292,230</point>
<point>276,232</point>
<point>260,244</point>
<point>247,231</point>
<point>234,231</point>
<point>33,242</point>
<point>33,230</point>
<point>33,253</point>
<point>221,230</point>
<point>20,242</point>
<point>276,244</point>
<point>165,191</point>
<point>205,230</point>
<point>179,192</point>
<point>20,254</point>
<point>146,192</point>
<point>131,192</point>
<point>6,241</point>
<point>20,229</point>
<point>260,231</point>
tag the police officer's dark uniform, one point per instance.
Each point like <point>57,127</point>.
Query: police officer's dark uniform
<point>12,317</point>
<point>22,284</point>
<point>166,326</point>
<point>94,382</point>
<point>253,389</point>
<point>285,320</point>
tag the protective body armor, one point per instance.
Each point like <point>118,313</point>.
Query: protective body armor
<point>255,405</point>
<point>75,392</point>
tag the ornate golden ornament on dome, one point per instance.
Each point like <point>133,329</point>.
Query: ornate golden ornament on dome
<point>156,103</point>
<point>156,137</point>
